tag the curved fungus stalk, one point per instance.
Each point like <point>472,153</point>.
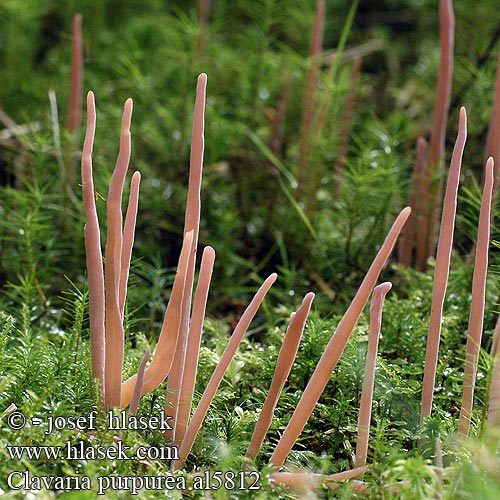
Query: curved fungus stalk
<point>336,346</point>
<point>431,197</point>
<point>115,335</point>
<point>365,408</point>
<point>220,370</point>
<point>286,357</point>
<point>108,290</point>
<point>163,356</point>
<point>136,397</point>
<point>193,343</point>
<point>443,258</point>
<point>93,252</point>
<point>191,223</point>
<point>476,317</point>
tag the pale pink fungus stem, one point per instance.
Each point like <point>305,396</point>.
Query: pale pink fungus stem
<point>441,108</point>
<point>494,393</point>
<point>220,370</point>
<point>284,364</point>
<point>194,341</point>
<point>443,257</point>
<point>495,342</point>
<point>74,118</point>
<point>365,409</point>
<point>442,103</point>
<point>293,479</point>
<point>311,89</point>
<point>128,238</point>
<point>114,324</point>
<point>347,122</point>
<point>279,118</point>
<point>336,346</point>
<point>203,12</point>
<point>409,237</point>
<point>76,88</point>
<point>191,223</point>
<point>476,316</point>
<point>439,470</point>
<point>493,142</point>
<point>93,253</point>
<point>160,366</point>
<point>136,397</point>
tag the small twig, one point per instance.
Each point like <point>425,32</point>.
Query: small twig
<point>56,132</point>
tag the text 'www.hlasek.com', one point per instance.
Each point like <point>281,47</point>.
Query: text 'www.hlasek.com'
<point>91,447</point>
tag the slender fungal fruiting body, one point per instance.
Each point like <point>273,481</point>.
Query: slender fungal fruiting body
<point>284,364</point>
<point>136,397</point>
<point>476,316</point>
<point>493,143</point>
<point>191,223</point>
<point>107,292</point>
<point>432,196</point>
<point>311,89</point>
<point>76,87</point>
<point>115,336</point>
<point>494,395</point>
<point>439,470</point>
<point>220,370</point>
<point>193,343</point>
<point>95,273</point>
<point>365,408</point>
<point>163,356</point>
<point>336,346</point>
<point>347,123</point>
<point>443,257</point>
<point>332,481</point>
<point>128,239</point>
<point>413,227</point>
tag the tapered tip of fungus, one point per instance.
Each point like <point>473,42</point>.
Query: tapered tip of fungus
<point>136,177</point>
<point>202,83</point>
<point>209,250</point>
<point>463,114</point>
<point>422,142</point>
<point>127,109</point>
<point>383,287</point>
<point>91,113</point>
<point>406,212</point>
<point>489,169</point>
